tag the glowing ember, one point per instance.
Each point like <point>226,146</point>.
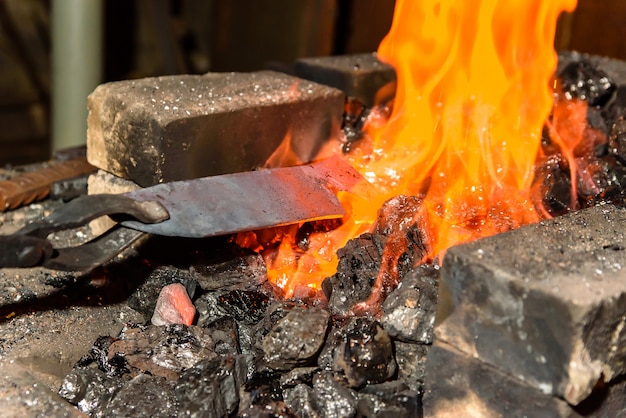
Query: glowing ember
<point>473,94</point>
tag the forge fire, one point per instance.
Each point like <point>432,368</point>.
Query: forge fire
<point>474,91</point>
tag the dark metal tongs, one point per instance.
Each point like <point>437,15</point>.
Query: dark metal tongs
<point>198,208</point>
<point>29,246</point>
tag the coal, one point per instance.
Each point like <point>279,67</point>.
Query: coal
<point>327,398</point>
<point>396,234</point>
<point>246,306</point>
<point>89,389</point>
<point>359,262</point>
<point>225,335</point>
<point>302,401</point>
<point>354,118</point>
<point>164,351</point>
<point>98,355</point>
<point>144,298</point>
<point>297,376</point>
<point>616,107</point>
<point>390,399</point>
<point>409,311</point>
<point>411,359</point>
<point>156,395</point>
<point>230,268</point>
<point>270,410</point>
<point>583,80</point>
<point>296,339</point>
<point>553,186</point>
<point>211,387</point>
<point>607,185</point>
<point>617,140</point>
<point>361,351</point>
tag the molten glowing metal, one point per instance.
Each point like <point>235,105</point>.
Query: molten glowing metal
<point>473,93</point>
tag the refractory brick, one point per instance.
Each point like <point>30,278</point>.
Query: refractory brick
<point>169,128</point>
<point>361,76</point>
<point>545,303</point>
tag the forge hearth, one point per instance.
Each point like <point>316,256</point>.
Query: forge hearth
<point>529,322</point>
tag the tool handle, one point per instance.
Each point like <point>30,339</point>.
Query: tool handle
<point>86,208</point>
<point>23,251</point>
<point>30,187</point>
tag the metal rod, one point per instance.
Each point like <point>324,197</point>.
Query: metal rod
<point>76,67</point>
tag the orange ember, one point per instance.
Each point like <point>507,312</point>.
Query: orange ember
<point>473,94</point>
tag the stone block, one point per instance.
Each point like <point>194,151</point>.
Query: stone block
<point>545,303</point>
<point>460,386</point>
<point>169,128</point>
<point>360,76</point>
<point>104,182</point>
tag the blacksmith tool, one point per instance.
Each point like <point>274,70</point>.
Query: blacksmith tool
<point>198,208</point>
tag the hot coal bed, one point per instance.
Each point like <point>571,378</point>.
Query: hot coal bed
<point>526,323</point>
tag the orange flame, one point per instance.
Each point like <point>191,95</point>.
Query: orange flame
<point>473,93</point>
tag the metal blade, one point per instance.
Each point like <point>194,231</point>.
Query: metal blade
<point>231,203</point>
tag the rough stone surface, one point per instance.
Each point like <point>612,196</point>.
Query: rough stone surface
<point>156,130</point>
<point>359,76</point>
<point>460,386</point>
<point>22,396</point>
<point>103,182</point>
<point>545,303</point>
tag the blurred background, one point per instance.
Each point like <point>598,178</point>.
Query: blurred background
<point>54,52</point>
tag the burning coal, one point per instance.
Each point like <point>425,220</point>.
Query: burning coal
<point>463,133</point>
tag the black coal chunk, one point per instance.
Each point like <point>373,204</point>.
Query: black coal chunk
<point>581,79</point>
<point>225,335</point>
<point>616,107</point>
<point>89,388</point>
<point>164,351</point>
<point>246,306</point>
<point>98,355</point>
<point>359,262</point>
<point>608,183</point>
<point>391,399</point>
<point>553,185</point>
<point>231,268</point>
<point>327,398</point>
<point>617,140</point>
<point>211,387</point>
<point>409,311</point>
<point>411,359</point>
<point>397,234</point>
<point>156,399</point>
<point>297,376</point>
<point>296,338</point>
<point>144,298</point>
<point>361,350</point>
